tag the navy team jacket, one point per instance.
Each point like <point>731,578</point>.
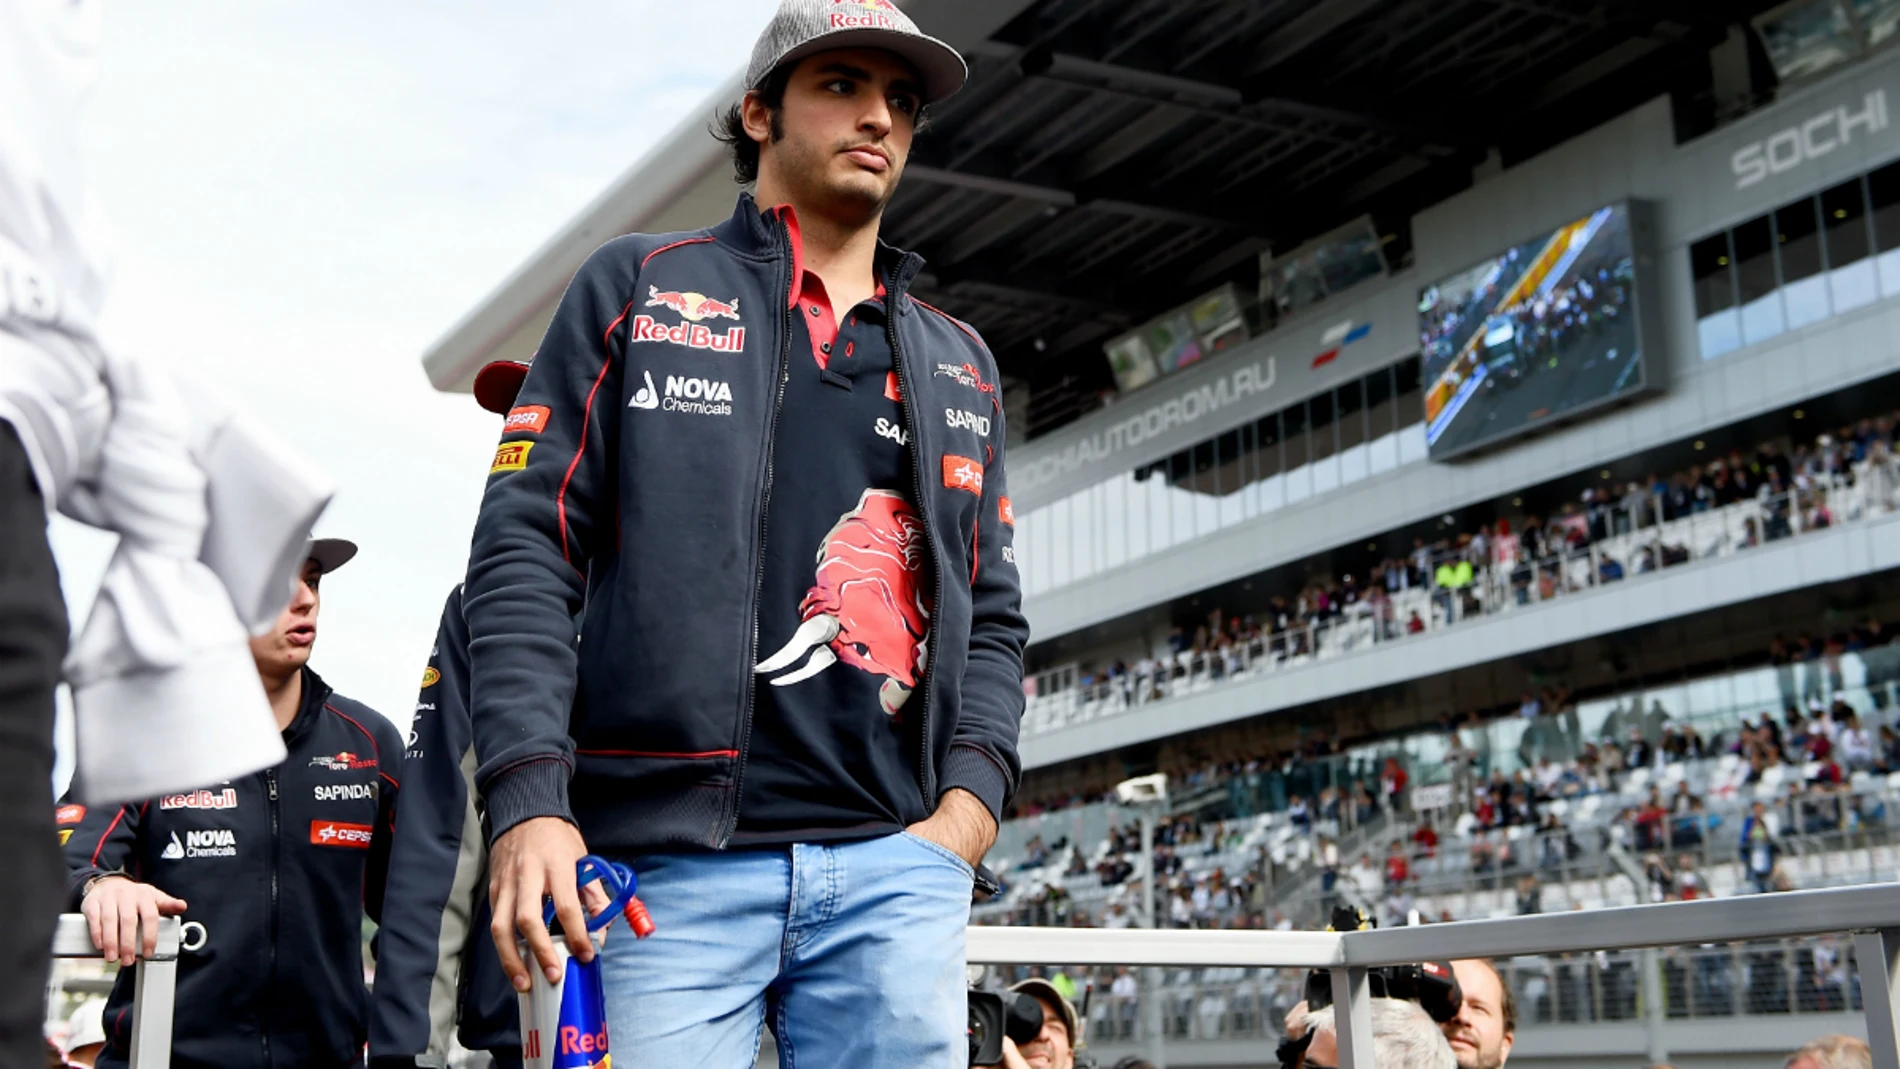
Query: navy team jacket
<point>277,869</point>
<point>633,479</point>
<point>436,969</point>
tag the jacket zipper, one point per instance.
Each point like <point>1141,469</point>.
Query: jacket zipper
<point>270,779</point>
<point>907,388</point>
<point>765,505</point>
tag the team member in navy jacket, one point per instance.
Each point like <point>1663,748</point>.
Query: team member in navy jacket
<point>271,873</point>
<point>436,970</point>
<point>775,481</point>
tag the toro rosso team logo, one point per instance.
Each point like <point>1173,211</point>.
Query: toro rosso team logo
<point>342,761</point>
<point>694,334</point>
<point>965,375</point>
<point>867,607</point>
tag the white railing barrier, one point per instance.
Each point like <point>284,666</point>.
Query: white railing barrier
<point>1870,913</point>
<point>154,990</point>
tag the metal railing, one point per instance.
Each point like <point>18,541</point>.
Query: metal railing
<point>1745,978</point>
<point>1749,966</point>
<point>1633,550</point>
<point>154,991</point>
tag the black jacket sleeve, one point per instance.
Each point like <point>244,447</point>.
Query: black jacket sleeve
<point>547,511</point>
<point>436,864</point>
<point>983,758</point>
<point>376,869</point>
<point>97,840</point>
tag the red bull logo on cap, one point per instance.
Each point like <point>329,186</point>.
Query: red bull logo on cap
<point>865,14</point>
<point>867,607</point>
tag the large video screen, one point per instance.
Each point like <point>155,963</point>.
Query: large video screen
<point>1540,332</point>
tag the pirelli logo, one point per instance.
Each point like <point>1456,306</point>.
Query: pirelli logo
<point>511,456</point>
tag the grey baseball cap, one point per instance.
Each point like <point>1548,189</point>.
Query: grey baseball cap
<point>329,553</point>
<point>805,27</point>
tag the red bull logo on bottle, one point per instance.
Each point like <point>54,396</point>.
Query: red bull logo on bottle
<point>564,1023</point>
<point>581,1037</point>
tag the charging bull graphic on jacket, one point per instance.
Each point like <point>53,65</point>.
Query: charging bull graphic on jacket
<point>867,607</point>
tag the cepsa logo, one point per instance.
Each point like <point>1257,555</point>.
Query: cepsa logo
<point>528,419</point>
<point>69,814</point>
<point>962,473</point>
<point>864,14</point>
<point>337,833</point>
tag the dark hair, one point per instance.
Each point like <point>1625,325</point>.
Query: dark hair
<point>730,127</point>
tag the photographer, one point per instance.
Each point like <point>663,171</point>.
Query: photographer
<point>1482,1033</point>
<point>1054,1047</point>
<point>1403,1037</point>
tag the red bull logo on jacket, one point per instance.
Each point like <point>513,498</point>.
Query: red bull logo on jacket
<point>867,607</point>
<point>693,306</point>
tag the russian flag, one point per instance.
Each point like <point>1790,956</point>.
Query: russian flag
<point>1337,337</point>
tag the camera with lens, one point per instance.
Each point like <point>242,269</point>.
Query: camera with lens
<point>993,1016</point>
<point>1431,984</point>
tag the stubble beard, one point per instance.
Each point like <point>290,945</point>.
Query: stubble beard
<point>807,170</point>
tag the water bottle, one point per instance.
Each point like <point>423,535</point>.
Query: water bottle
<point>564,1025</point>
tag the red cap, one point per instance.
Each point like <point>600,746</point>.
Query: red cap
<point>496,385</point>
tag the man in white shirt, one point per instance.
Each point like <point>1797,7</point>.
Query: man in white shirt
<point>1548,774</point>
<point>1856,743</point>
<point>111,443</point>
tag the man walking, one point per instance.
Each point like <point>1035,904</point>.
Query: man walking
<point>271,873</point>
<point>775,481</point>
<point>437,976</point>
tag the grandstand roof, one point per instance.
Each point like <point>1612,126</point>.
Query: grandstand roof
<point>1110,160</point>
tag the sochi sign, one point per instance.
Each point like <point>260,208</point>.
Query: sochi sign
<point>1810,139</point>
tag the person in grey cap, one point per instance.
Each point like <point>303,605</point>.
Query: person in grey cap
<point>771,484</point>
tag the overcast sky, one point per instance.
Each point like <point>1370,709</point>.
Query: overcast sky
<point>306,195</point>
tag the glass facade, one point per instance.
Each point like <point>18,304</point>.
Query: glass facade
<point>1363,427</point>
<point>1805,261</point>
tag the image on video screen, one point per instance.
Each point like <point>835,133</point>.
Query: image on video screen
<point>1541,330</point>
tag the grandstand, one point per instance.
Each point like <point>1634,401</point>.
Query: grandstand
<point>1507,521</point>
